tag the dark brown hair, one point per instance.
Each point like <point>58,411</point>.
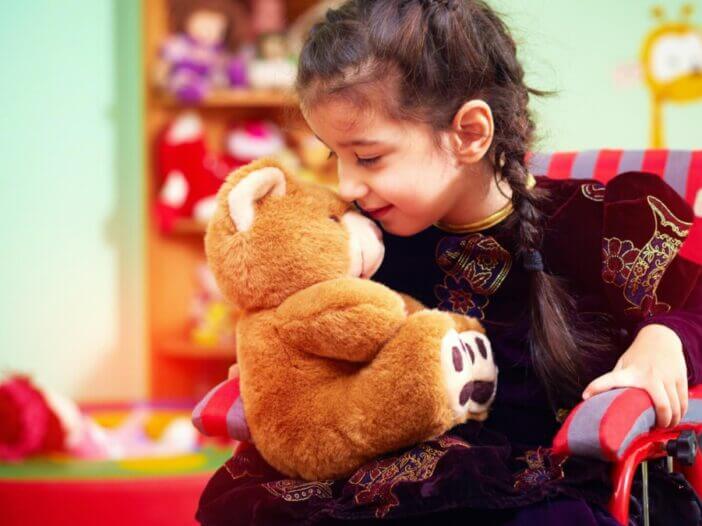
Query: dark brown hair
<point>436,55</point>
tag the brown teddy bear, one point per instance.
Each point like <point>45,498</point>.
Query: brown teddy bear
<point>335,369</point>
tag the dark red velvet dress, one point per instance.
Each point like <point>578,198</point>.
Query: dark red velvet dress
<point>616,248</point>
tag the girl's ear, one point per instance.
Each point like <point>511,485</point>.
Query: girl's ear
<point>472,131</point>
<point>251,189</point>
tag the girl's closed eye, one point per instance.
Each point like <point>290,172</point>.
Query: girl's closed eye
<point>363,161</point>
<point>368,161</point>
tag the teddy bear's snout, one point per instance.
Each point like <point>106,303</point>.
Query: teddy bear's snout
<point>365,245</point>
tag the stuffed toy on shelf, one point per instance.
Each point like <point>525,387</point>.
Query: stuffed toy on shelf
<point>213,319</point>
<point>274,65</point>
<point>210,48</point>
<point>189,173</point>
<point>335,369</point>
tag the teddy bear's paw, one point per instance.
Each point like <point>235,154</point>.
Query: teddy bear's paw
<point>483,385</point>
<point>469,373</point>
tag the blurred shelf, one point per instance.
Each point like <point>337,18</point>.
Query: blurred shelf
<point>234,98</point>
<point>188,349</point>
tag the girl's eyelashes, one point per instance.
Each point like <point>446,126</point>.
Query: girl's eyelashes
<point>360,160</point>
<point>367,162</point>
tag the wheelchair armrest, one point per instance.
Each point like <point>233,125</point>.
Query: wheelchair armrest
<point>221,412</point>
<point>605,425</point>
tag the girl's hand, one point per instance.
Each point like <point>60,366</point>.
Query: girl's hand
<point>233,371</point>
<point>654,362</point>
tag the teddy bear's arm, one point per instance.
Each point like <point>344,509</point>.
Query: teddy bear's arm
<point>463,323</point>
<point>345,318</point>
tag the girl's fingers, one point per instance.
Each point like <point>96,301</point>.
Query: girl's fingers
<point>234,371</point>
<point>683,397</point>
<point>617,378</point>
<point>674,399</point>
<point>661,402</point>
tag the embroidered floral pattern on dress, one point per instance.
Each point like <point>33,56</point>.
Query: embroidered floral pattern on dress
<point>244,464</point>
<point>475,266</point>
<point>593,191</point>
<point>292,490</point>
<point>617,259</point>
<point>376,480</point>
<point>639,271</point>
<point>455,295</point>
<point>542,467</point>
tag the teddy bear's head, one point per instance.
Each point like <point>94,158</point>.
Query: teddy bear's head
<point>273,235</point>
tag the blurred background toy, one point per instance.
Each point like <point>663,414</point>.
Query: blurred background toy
<point>213,320</point>
<point>274,65</point>
<point>189,174</point>
<point>315,162</point>
<point>250,140</point>
<point>35,421</point>
<point>207,49</point>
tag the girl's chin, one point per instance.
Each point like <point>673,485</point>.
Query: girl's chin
<point>400,227</point>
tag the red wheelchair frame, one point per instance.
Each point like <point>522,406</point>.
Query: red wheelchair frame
<point>656,444</point>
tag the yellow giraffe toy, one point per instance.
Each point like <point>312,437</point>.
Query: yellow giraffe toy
<point>671,59</point>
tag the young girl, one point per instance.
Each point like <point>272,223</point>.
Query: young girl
<point>578,284</point>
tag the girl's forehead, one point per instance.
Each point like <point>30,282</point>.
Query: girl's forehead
<point>336,120</point>
<point>339,115</point>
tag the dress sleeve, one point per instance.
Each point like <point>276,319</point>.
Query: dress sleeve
<point>646,280</point>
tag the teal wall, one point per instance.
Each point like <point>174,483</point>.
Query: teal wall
<point>71,280</point>
<point>70,195</point>
<point>577,47</point>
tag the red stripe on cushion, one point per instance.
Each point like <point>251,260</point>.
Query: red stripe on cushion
<point>214,414</point>
<point>654,162</point>
<point>619,419</point>
<point>561,166</point>
<point>607,165</point>
<point>694,177</point>
<point>692,247</point>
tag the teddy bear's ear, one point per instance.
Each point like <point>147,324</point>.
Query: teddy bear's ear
<point>252,188</point>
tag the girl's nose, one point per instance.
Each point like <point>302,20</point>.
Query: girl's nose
<point>351,188</point>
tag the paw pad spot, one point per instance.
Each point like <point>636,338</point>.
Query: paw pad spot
<point>457,360</point>
<point>482,391</point>
<point>481,347</point>
<point>466,393</point>
<point>469,350</point>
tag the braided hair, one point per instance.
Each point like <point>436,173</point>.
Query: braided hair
<point>436,55</point>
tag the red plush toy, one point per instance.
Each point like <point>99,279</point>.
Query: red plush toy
<point>189,174</point>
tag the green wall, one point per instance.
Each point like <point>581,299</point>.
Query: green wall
<point>577,47</point>
<point>70,195</point>
<point>71,281</point>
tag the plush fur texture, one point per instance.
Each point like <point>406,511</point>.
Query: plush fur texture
<point>335,370</point>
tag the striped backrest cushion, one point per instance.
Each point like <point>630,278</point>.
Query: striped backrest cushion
<point>681,169</point>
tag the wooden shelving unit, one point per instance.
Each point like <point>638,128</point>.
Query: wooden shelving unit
<point>178,368</point>
<point>240,98</point>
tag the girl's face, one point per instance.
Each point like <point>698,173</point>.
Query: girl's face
<point>395,171</point>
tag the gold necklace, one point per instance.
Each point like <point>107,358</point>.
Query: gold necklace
<point>487,222</point>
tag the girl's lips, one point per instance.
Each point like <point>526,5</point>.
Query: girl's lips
<point>379,212</point>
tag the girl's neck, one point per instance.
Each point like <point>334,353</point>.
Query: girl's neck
<point>480,197</point>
